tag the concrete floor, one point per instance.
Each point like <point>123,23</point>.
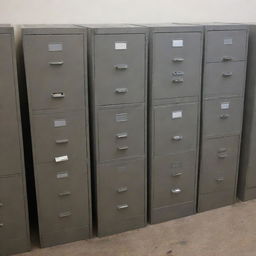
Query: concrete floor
<point>228,231</point>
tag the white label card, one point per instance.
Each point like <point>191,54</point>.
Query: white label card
<point>176,114</point>
<point>177,43</point>
<point>60,123</point>
<point>120,45</point>
<point>55,47</point>
<point>224,105</point>
<point>228,41</point>
<point>122,117</point>
<point>61,159</point>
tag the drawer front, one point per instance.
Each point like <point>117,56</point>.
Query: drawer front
<point>119,68</point>
<point>173,179</point>
<point>222,116</point>
<point>177,61</point>
<point>124,196</point>
<point>226,45</point>
<point>59,134</point>
<point>55,71</point>
<point>219,164</point>
<point>64,202</point>
<point>13,220</point>
<point>121,132</point>
<point>227,78</point>
<point>175,128</point>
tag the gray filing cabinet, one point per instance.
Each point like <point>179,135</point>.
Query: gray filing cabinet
<point>14,230</point>
<point>222,113</point>
<point>174,119</point>
<point>56,74</point>
<point>247,172</point>
<point>118,93</point>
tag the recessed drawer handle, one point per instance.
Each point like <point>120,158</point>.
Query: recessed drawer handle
<point>61,159</point>
<point>224,116</point>
<point>122,135</point>
<point>1,204</point>
<point>220,179</point>
<point>65,214</point>
<point>177,137</point>
<point>227,58</point>
<point>178,73</point>
<point>176,190</point>
<point>1,225</point>
<point>122,206</point>
<point>123,148</point>
<point>65,193</point>
<point>178,81</point>
<point>58,95</point>
<point>56,63</point>
<point>177,174</point>
<point>227,74</point>
<point>62,141</point>
<point>221,150</point>
<point>121,66</point>
<point>178,59</point>
<point>223,155</point>
<point>121,90</point>
<point>122,189</point>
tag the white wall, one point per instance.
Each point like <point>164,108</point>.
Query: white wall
<point>125,11</point>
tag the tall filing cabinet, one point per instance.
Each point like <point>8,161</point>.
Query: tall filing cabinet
<point>174,119</point>
<point>247,172</point>
<point>56,74</point>
<point>118,91</point>
<point>222,113</point>
<point>14,230</point>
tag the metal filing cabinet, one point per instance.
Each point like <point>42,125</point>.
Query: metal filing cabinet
<point>174,116</point>
<point>247,173</point>
<point>56,74</point>
<point>222,113</point>
<point>118,92</point>
<point>14,230</point>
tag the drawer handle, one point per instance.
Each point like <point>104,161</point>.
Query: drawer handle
<point>58,95</point>
<point>227,74</point>
<point>121,66</point>
<point>1,225</point>
<point>177,137</point>
<point>178,73</point>
<point>176,190</point>
<point>123,148</point>
<point>121,90</point>
<point>122,135</point>
<point>56,63</point>
<point>1,204</point>
<point>61,159</point>
<point>221,150</point>
<point>122,189</point>
<point>65,214</point>
<point>65,193</point>
<point>227,58</point>
<point>220,179</point>
<point>222,155</point>
<point>224,116</point>
<point>178,81</point>
<point>178,59</point>
<point>177,174</point>
<point>62,141</point>
<point>122,206</point>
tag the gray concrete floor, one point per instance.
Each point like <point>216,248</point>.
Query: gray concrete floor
<point>228,231</point>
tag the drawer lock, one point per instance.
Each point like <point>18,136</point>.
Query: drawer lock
<point>176,190</point>
<point>122,206</point>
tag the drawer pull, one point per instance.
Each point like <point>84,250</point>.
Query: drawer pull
<point>123,148</point>
<point>220,179</point>
<point>65,193</point>
<point>62,141</point>
<point>122,135</point>
<point>227,58</point>
<point>227,74</point>
<point>224,116</point>
<point>58,95</point>
<point>121,66</point>
<point>178,59</point>
<point>1,225</point>
<point>177,174</point>
<point>178,81</point>
<point>65,214</point>
<point>1,204</point>
<point>121,90</point>
<point>56,63</point>
<point>222,155</point>
<point>177,137</point>
<point>178,73</point>
<point>176,190</point>
<point>122,206</point>
<point>221,150</point>
<point>61,159</point>
<point>122,189</point>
